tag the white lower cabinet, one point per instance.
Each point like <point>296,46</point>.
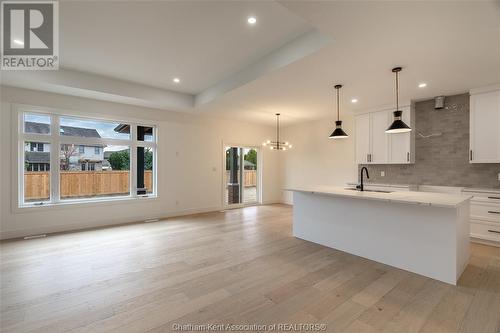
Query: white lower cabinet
<point>374,146</point>
<point>485,216</point>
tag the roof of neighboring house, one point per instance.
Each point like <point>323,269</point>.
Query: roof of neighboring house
<point>39,128</point>
<point>37,157</point>
<point>248,164</point>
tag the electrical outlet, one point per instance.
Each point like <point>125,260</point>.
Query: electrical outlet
<point>382,173</point>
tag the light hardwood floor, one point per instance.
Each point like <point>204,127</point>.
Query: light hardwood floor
<point>240,266</point>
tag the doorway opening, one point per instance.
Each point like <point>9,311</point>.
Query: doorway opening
<point>241,176</point>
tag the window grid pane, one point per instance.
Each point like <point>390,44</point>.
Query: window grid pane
<point>85,128</point>
<point>36,172</point>
<point>36,123</point>
<point>89,175</point>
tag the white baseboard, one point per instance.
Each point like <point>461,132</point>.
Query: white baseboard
<point>19,233</point>
<point>484,242</point>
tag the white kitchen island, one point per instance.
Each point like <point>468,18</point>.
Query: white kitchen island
<point>424,233</point>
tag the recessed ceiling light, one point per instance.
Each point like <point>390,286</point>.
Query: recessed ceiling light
<point>176,80</point>
<point>251,20</point>
<point>18,42</point>
<point>422,85</point>
<point>354,100</point>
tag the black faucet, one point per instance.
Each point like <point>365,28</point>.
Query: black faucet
<point>360,186</point>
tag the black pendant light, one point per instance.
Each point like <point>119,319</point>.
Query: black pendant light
<point>338,133</point>
<point>398,125</point>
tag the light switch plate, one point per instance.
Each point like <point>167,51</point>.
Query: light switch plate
<point>382,174</point>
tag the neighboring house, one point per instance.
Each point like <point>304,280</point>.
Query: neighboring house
<point>249,165</point>
<point>73,157</point>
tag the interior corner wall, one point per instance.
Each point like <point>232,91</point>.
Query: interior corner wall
<point>315,159</point>
<point>190,163</point>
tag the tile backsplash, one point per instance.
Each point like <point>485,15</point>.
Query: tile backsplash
<point>440,160</point>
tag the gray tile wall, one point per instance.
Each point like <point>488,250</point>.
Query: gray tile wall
<point>442,160</point>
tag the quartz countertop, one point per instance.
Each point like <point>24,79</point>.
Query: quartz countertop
<point>421,198</point>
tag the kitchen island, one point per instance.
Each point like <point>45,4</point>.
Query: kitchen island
<point>424,233</point>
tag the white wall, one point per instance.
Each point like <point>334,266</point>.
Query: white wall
<point>315,159</point>
<point>189,172</point>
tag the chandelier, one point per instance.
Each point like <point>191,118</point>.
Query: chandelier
<point>277,145</point>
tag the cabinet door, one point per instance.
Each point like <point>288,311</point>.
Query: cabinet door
<point>485,128</point>
<point>400,143</point>
<point>362,134</point>
<point>379,139</point>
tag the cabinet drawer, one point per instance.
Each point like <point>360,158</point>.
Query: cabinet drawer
<point>485,212</point>
<point>488,198</point>
<point>485,231</point>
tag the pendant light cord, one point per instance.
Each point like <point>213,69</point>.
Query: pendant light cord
<point>278,130</point>
<point>338,104</point>
<point>397,91</point>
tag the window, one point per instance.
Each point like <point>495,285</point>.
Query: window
<point>36,178</point>
<point>84,174</point>
<point>36,146</point>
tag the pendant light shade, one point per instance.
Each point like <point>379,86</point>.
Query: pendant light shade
<point>278,144</point>
<point>338,133</point>
<point>398,125</point>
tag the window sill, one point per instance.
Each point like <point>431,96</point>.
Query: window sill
<point>71,204</point>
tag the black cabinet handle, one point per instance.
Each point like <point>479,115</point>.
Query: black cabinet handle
<point>493,212</point>
<point>494,231</point>
<point>407,157</point>
<point>471,154</point>
<point>498,198</point>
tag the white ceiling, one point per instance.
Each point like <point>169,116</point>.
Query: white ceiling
<point>151,42</point>
<point>453,46</point>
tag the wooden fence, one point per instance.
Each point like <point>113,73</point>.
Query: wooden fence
<point>77,184</point>
<point>249,178</point>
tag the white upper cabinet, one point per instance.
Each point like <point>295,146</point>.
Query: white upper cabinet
<point>374,146</point>
<point>379,139</point>
<point>362,125</point>
<point>400,144</point>
<point>485,127</point>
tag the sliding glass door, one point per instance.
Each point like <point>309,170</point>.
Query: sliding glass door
<point>241,176</point>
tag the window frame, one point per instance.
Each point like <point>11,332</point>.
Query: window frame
<point>55,139</point>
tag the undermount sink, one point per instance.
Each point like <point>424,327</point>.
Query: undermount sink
<point>379,191</point>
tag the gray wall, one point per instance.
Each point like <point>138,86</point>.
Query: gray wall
<point>442,160</point>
